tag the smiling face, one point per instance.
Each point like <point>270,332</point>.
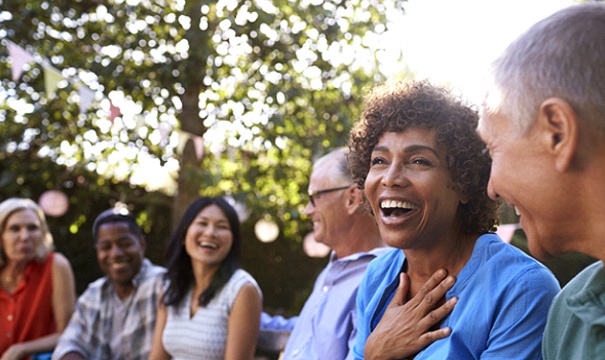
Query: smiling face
<point>411,191</point>
<point>523,175</point>
<point>120,253</point>
<point>328,212</point>
<point>22,235</point>
<point>209,237</point>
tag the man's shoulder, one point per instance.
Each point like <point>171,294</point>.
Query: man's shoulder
<point>584,278</point>
<point>150,272</point>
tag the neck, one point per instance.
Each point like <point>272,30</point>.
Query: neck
<point>124,290</point>
<point>14,268</point>
<point>361,236</point>
<point>203,276</point>
<point>451,256</point>
<point>11,275</point>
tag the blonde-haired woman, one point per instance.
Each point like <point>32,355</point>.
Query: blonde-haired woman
<point>37,291</point>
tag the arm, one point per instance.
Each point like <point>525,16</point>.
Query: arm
<point>405,326</point>
<point>244,322</point>
<point>81,331</point>
<point>277,322</point>
<point>157,348</point>
<point>63,303</point>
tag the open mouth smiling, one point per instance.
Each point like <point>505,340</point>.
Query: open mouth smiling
<point>207,245</point>
<point>395,208</point>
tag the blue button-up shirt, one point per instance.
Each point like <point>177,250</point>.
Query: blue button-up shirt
<point>326,326</point>
<point>503,300</point>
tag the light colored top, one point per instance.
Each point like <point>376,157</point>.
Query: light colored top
<point>205,335</point>
<point>27,313</point>
<point>576,322</point>
<point>503,300</point>
<point>89,328</point>
<point>120,311</point>
<point>326,326</point>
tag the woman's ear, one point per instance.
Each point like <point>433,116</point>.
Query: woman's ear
<point>463,196</point>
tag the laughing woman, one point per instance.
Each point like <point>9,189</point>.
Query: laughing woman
<point>452,289</point>
<point>211,308</point>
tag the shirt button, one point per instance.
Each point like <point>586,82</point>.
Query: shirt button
<point>9,318</point>
<point>325,289</point>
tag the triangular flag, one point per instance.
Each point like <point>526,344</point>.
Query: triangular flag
<point>20,58</point>
<point>183,138</point>
<point>86,98</point>
<point>114,112</point>
<point>507,231</point>
<point>51,79</point>
<point>164,132</point>
<point>198,142</point>
<point>139,121</point>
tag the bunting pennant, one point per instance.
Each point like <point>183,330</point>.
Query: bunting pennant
<point>114,112</point>
<point>507,231</point>
<point>51,78</point>
<point>164,132</point>
<point>20,58</point>
<point>183,138</point>
<point>198,142</point>
<point>86,98</point>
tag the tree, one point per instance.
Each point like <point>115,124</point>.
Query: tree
<point>269,85</point>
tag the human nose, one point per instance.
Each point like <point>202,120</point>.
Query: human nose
<point>491,192</point>
<point>309,209</point>
<point>115,250</point>
<point>209,230</point>
<point>24,233</point>
<point>393,176</point>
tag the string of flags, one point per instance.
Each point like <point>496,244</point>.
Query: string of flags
<point>20,58</point>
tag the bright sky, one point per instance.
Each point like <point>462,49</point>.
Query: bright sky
<point>454,41</point>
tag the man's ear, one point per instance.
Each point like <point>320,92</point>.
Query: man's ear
<point>143,243</point>
<point>559,124</point>
<point>354,199</point>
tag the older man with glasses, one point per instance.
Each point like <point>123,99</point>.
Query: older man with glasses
<point>325,329</point>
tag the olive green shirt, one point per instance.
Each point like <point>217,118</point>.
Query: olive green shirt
<point>576,321</point>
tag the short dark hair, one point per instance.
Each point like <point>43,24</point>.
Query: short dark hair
<point>178,262</point>
<point>398,106</point>
<point>116,215</point>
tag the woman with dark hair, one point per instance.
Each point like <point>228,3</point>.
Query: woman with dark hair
<point>451,288</point>
<point>211,308</point>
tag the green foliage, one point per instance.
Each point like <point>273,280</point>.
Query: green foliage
<point>271,85</point>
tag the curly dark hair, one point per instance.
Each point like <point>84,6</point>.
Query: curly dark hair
<point>398,106</point>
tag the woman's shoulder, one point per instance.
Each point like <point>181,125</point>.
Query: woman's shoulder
<point>59,260</point>
<point>384,262</point>
<point>240,279</point>
<point>507,261</point>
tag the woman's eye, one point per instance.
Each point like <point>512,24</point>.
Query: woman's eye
<point>376,161</point>
<point>421,161</point>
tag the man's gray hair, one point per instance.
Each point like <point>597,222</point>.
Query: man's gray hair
<point>342,175</point>
<point>561,56</point>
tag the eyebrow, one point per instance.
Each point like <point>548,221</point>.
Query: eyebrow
<point>219,221</point>
<point>411,148</point>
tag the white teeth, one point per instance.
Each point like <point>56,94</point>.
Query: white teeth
<point>394,204</point>
<point>517,211</point>
<point>208,244</point>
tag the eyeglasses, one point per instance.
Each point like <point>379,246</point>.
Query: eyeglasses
<point>320,192</point>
